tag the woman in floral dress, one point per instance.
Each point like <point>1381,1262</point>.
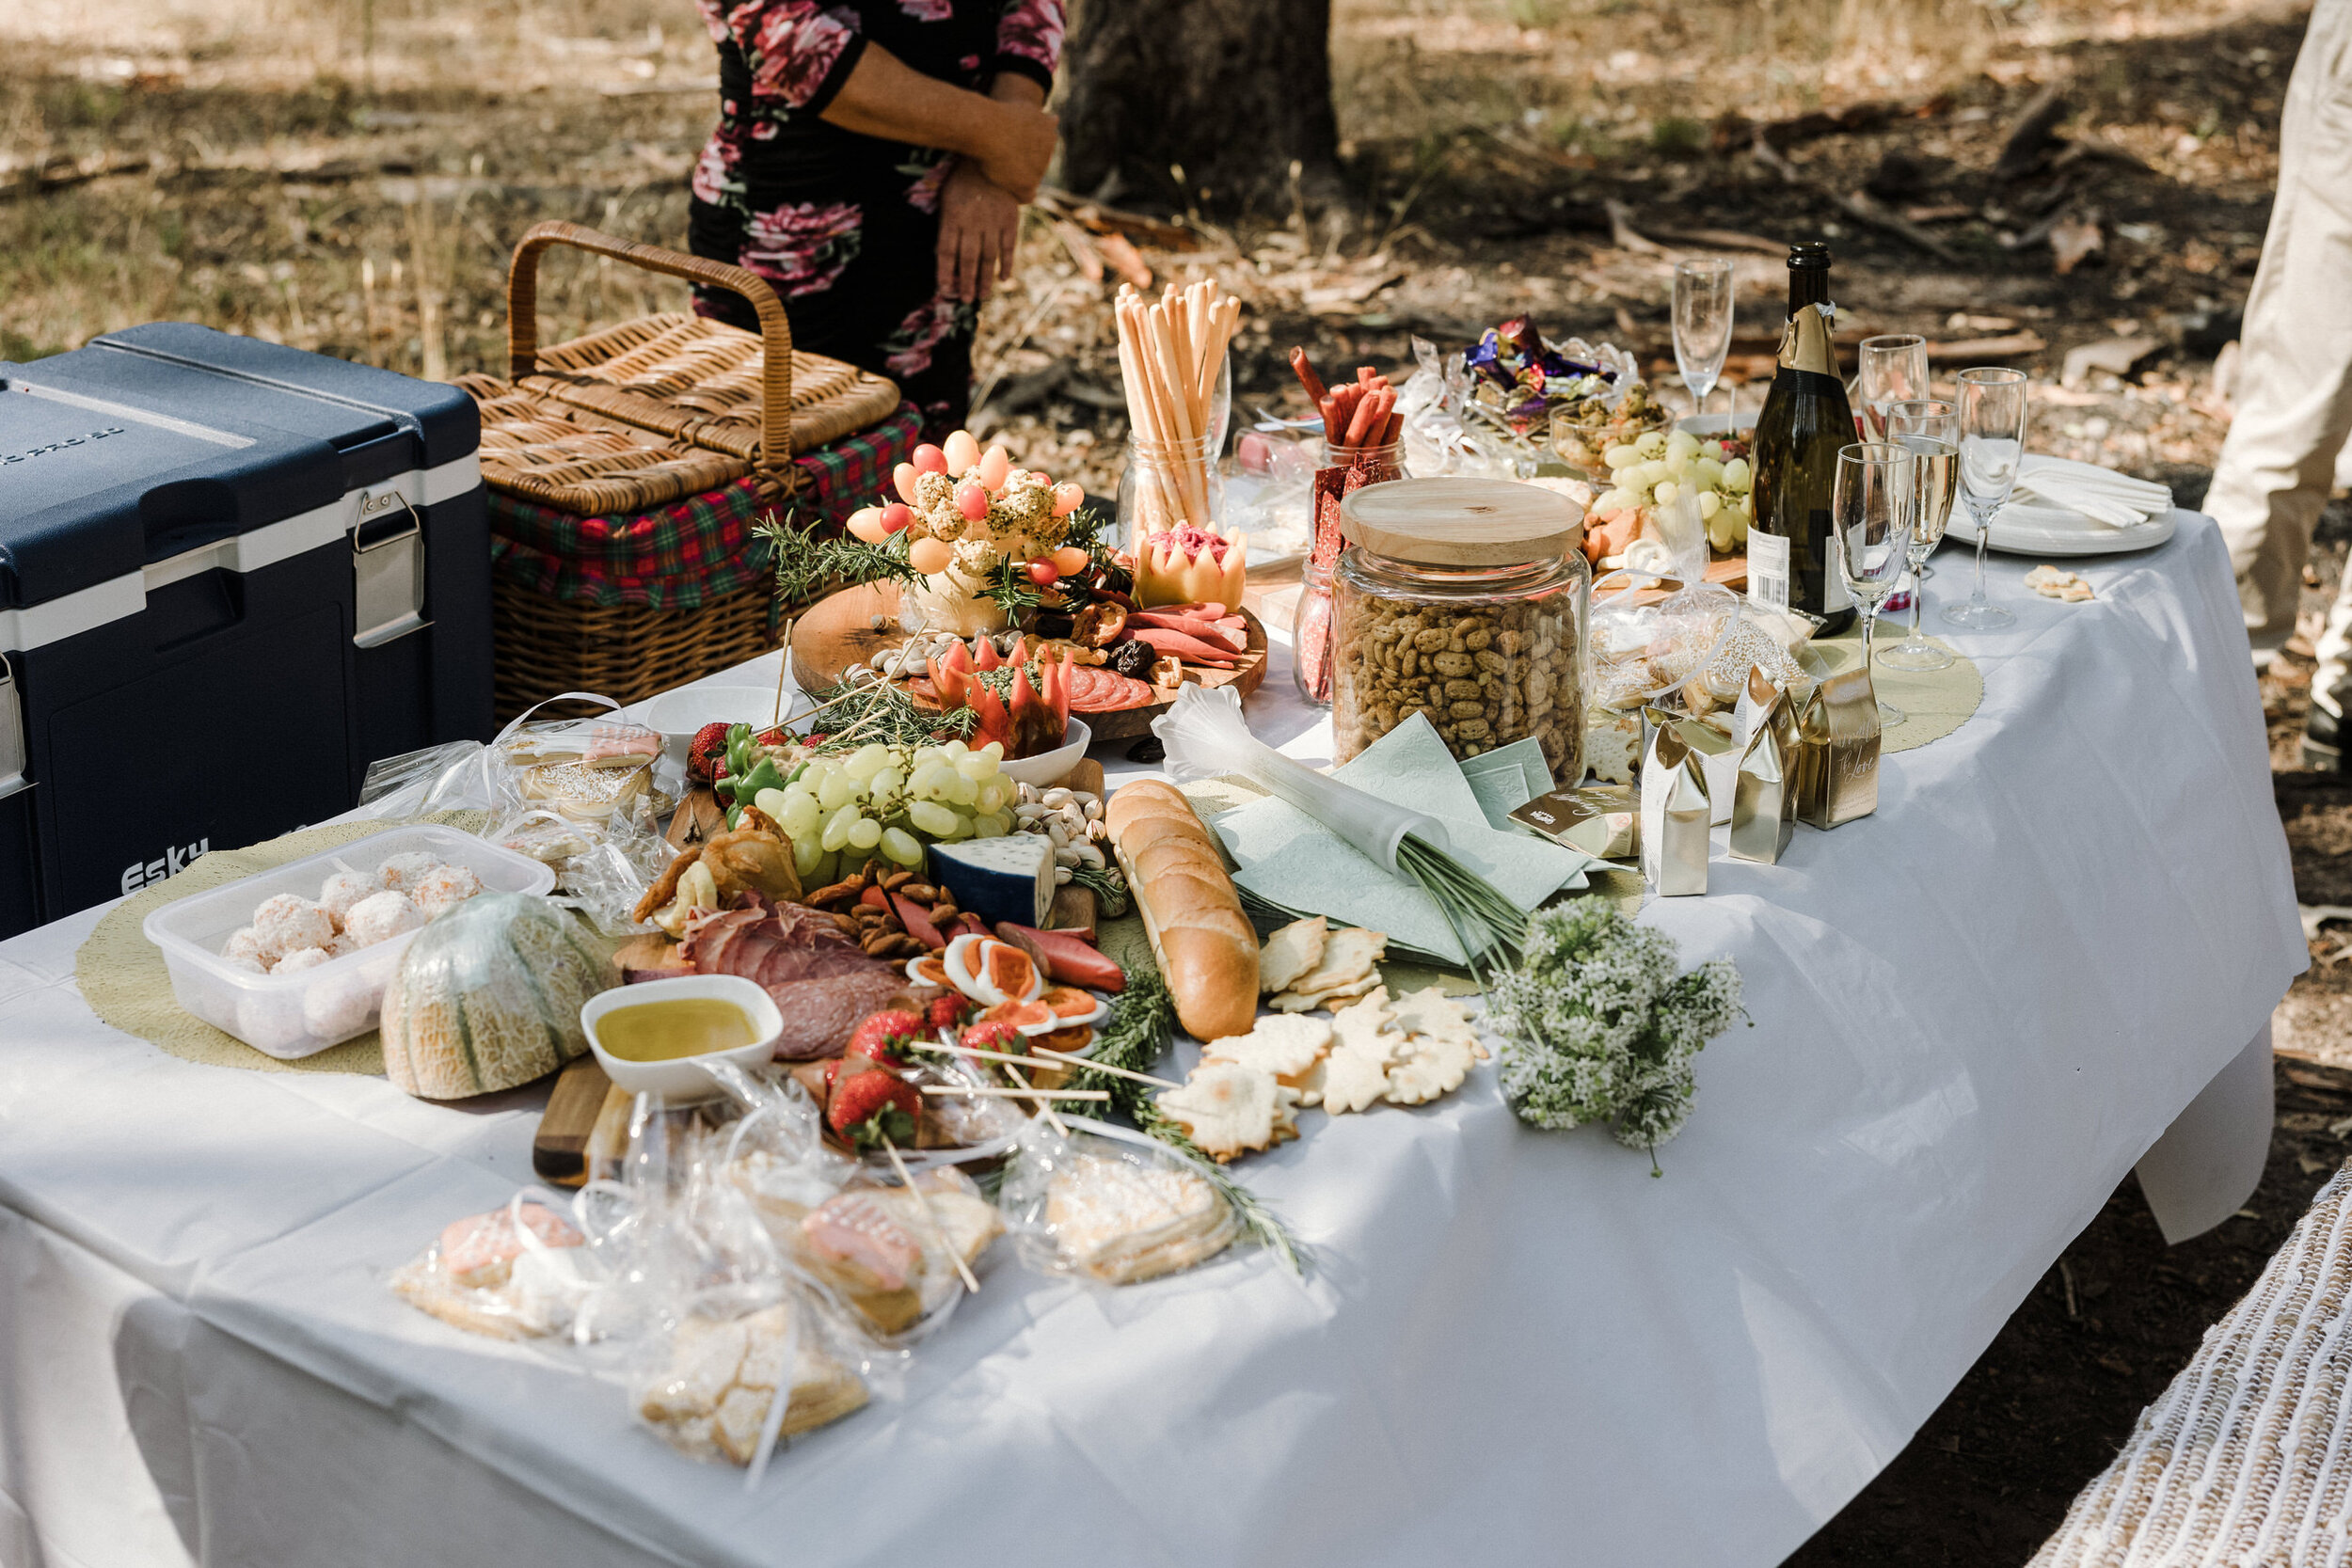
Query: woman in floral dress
<point>871,161</point>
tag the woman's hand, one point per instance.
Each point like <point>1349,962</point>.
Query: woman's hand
<point>979,223</point>
<point>1015,156</point>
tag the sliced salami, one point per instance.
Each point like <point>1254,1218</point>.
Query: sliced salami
<point>1112,693</point>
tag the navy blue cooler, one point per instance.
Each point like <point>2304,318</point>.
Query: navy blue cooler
<point>232,574</point>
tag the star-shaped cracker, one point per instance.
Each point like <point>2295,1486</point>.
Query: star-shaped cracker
<point>1285,1047</point>
<point>1291,952</point>
<point>1228,1109</point>
<point>1356,1072</point>
<point>1428,1066</point>
<point>1430,1011</point>
<point>1306,1002</point>
<point>1348,954</point>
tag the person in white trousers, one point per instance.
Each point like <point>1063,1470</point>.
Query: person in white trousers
<point>2293,410</point>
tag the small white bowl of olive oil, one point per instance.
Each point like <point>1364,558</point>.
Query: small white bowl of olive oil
<point>655,1036</point>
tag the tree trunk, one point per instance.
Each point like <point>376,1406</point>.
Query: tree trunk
<point>1232,92</point>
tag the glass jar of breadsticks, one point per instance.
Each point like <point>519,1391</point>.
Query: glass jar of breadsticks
<point>1169,485</point>
<point>1463,600</point>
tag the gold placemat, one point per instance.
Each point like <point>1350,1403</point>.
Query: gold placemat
<point>1934,703</point>
<point>122,976</point>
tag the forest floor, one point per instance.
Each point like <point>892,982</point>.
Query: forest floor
<point>351,176</point>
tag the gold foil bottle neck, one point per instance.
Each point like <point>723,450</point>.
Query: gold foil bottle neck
<point>1807,344</point>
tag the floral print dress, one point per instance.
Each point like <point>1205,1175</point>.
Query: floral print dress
<point>847,225</point>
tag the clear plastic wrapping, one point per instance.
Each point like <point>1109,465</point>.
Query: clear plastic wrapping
<point>521,1272</point>
<point>588,797</point>
<point>1101,1203</point>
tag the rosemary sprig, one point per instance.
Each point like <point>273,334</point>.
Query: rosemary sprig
<point>849,713</point>
<point>1136,1036</point>
<point>1008,584</point>
<point>1110,887</point>
<point>807,566</point>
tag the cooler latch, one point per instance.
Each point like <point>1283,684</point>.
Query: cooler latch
<point>387,570</point>
<point>12,778</point>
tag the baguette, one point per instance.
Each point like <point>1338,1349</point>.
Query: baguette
<point>1207,949</point>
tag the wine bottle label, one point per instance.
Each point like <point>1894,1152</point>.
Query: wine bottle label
<point>1768,570</point>
<point>1805,345</point>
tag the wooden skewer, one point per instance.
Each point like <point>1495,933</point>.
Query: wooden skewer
<point>998,1092</point>
<point>1061,1058</point>
<point>1067,1060</point>
<point>1044,1107</point>
<point>963,1269</point>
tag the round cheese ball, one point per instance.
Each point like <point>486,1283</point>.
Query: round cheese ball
<point>404,872</point>
<point>288,923</point>
<point>382,916</point>
<point>347,888</point>
<point>444,887</point>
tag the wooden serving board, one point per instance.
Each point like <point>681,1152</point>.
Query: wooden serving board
<point>1731,571</point>
<point>838,631</point>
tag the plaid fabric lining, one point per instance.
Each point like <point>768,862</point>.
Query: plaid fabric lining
<point>694,551</point>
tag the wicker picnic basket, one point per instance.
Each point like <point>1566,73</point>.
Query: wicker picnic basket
<point>627,470</point>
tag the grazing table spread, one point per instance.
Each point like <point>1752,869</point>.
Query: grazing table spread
<point>1973,1012</point>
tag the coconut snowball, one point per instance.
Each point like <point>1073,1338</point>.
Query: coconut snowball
<point>382,916</point>
<point>288,923</point>
<point>347,888</point>
<point>244,965</point>
<point>243,946</point>
<point>444,887</point>
<point>302,958</point>
<point>404,872</point>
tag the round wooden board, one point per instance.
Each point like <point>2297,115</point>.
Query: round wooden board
<point>838,631</point>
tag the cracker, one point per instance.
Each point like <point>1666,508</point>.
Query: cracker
<point>1427,1067</point>
<point>1430,1011</point>
<point>1356,1072</point>
<point>1228,1109</point>
<point>1291,952</point>
<point>1348,956</point>
<point>1283,1046</point>
<point>1304,1002</point>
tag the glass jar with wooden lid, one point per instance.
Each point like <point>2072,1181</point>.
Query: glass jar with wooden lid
<point>1463,599</point>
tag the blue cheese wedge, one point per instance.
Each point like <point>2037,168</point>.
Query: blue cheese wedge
<point>1009,878</point>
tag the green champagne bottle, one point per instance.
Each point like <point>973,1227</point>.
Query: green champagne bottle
<point>1791,555</point>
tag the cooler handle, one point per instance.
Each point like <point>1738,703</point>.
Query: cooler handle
<point>775,327</point>
<point>387,573</point>
<point>12,778</point>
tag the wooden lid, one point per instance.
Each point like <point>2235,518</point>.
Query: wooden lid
<point>1461,522</point>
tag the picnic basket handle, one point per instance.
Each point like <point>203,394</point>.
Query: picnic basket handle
<point>775,327</point>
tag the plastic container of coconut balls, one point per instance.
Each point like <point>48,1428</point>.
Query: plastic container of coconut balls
<point>295,959</point>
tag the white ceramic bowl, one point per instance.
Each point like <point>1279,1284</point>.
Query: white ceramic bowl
<point>683,1079</point>
<point>1048,768</point>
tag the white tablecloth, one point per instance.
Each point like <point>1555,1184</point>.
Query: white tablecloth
<point>1973,1013</point>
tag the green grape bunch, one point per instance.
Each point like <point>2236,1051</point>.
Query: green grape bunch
<point>842,811</point>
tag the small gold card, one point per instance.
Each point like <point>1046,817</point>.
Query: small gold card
<point>1603,820</point>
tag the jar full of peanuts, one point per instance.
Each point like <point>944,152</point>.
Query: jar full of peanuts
<point>1463,601</point>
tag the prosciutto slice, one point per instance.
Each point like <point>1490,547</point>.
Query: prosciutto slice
<point>819,981</point>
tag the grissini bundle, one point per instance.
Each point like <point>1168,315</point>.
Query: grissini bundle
<point>1171,354</point>
<point>1207,950</point>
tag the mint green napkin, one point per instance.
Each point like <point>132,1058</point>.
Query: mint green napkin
<point>1292,861</point>
<point>1507,778</point>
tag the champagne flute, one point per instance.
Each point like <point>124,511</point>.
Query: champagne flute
<point>1702,312</point>
<point>1930,427</point>
<point>1870,513</point>
<point>1991,439</point>
<point>1894,369</point>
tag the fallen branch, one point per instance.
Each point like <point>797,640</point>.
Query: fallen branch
<point>2034,129</point>
<point>1856,206</point>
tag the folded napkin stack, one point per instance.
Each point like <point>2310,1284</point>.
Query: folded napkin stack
<point>2100,494</point>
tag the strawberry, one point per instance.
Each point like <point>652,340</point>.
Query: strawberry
<point>946,1012</point>
<point>884,1034</point>
<point>872,1106</point>
<point>710,742</point>
<point>776,738</point>
<point>996,1035</point>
